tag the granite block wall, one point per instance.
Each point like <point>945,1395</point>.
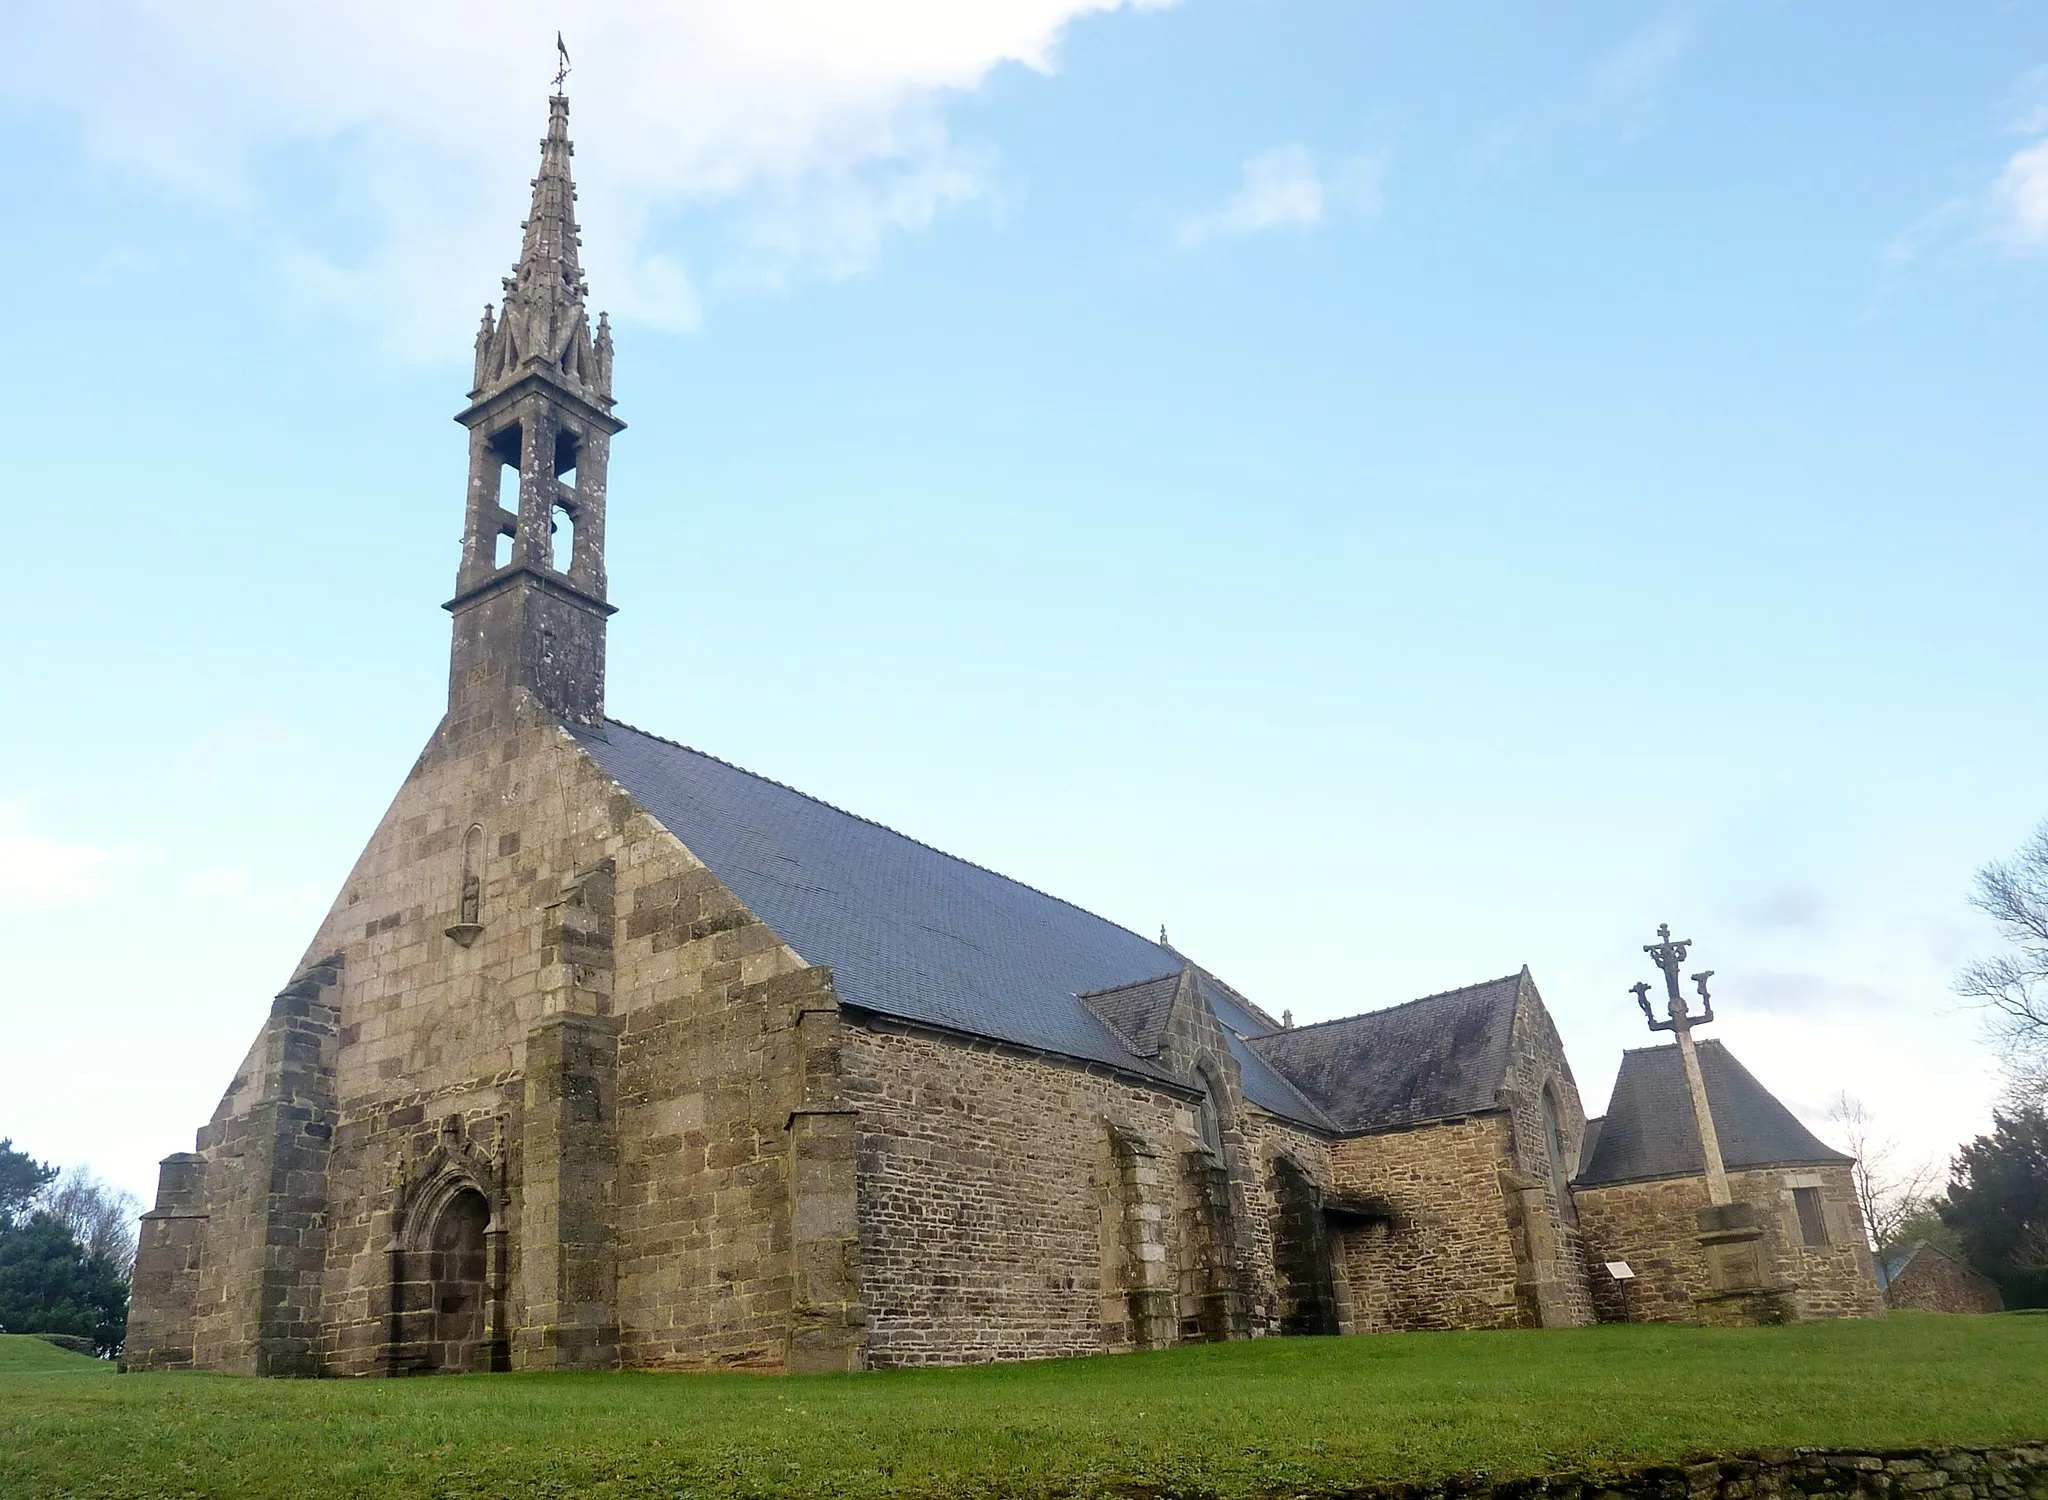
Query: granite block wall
<point>1446,1257</point>
<point>1652,1227</point>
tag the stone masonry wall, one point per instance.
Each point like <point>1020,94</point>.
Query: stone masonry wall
<point>1651,1225</point>
<point>1269,1140</point>
<point>1448,1260</point>
<point>994,1199</point>
<point>433,1039</point>
<point>2018,1472</point>
<point>1551,1249</point>
<point>1932,1282</point>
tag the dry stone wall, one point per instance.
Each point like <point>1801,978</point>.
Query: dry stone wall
<point>2017,1472</point>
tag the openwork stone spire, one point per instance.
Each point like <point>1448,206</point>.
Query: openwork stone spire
<point>544,324</point>
<point>529,603</point>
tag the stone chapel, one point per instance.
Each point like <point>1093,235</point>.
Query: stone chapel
<point>610,1053</point>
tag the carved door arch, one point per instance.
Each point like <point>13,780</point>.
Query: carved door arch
<point>448,1271</point>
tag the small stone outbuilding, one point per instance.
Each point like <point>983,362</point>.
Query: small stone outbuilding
<point>1642,1187</point>
<point>1928,1278</point>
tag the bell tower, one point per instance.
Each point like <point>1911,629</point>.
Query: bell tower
<point>529,603</point>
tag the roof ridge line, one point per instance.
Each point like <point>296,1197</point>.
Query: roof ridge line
<point>1108,989</point>
<point>1672,1046</point>
<point>876,823</point>
<point>1402,1005</point>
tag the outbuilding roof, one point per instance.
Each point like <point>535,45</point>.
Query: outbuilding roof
<point>915,933</point>
<point>1649,1130</point>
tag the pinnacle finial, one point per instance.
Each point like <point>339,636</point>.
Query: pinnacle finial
<point>542,324</point>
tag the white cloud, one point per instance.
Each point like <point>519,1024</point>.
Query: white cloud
<point>2010,213</point>
<point>2019,201</point>
<point>813,129</point>
<point>1281,189</point>
<point>40,872</point>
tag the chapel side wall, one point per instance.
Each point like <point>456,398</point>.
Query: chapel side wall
<point>988,1197</point>
<point>1448,1259</point>
<point>1552,1248</point>
<point>1653,1226</point>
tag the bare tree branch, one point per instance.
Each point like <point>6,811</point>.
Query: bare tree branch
<point>2012,987</point>
<point>1889,1195</point>
<point>100,1217</point>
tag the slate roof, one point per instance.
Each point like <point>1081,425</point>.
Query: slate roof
<point>1137,1012</point>
<point>1431,1059</point>
<point>1650,1130</point>
<point>910,931</point>
<point>1895,1260</point>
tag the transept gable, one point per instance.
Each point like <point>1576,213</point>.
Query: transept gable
<point>1435,1058</point>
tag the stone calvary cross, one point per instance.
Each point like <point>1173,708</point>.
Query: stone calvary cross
<point>1670,956</point>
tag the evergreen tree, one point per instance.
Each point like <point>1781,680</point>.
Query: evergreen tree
<point>22,1180</point>
<point>49,1284</point>
<point>1998,1204</point>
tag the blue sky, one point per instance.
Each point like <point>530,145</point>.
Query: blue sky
<point>1391,493</point>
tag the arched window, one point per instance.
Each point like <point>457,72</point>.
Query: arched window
<point>1556,1150</point>
<point>562,533</point>
<point>472,903</point>
<point>1209,1117</point>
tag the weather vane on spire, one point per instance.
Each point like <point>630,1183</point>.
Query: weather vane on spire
<point>562,53</point>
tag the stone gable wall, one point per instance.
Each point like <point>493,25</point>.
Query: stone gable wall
<point>1651,1225</point>
<point>432,1046</point>
<point>1448,1259</point>
<point>1932,1282</point>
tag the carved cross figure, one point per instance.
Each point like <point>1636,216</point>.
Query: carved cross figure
<point>1669,955</point>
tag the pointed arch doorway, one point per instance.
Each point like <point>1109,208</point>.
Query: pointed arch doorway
<point>448,1284</point>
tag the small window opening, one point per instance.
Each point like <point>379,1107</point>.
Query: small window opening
<point>508,487</point>
<point>1813,1226</point>
<point>472,901</point>
<point>563,530</point>
<point>1208,1122</point>
<point>566,452</point>
<point>501,556</point>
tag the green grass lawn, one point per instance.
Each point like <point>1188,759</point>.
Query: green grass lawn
<point>1285,1416</point>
